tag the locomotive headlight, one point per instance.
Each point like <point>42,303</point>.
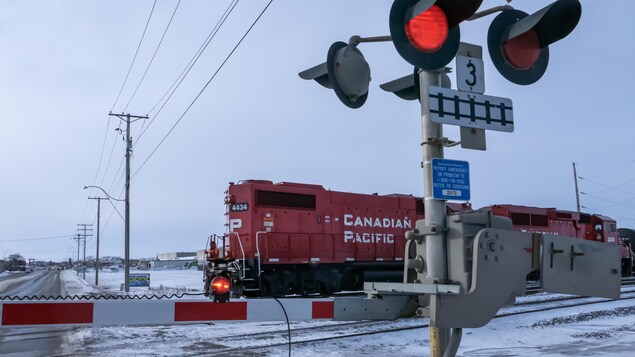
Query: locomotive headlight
<point>220,285</point>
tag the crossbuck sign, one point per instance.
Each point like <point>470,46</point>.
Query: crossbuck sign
<point>448,106</point>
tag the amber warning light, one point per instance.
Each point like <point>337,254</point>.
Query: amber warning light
<point>220,285</point>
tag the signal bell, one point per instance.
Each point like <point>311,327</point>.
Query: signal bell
<point>345,71</point>
<point>426,32</point>
<point>518,43</point>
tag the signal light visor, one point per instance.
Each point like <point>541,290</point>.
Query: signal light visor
<point>428,31</point>
<point>220,285</point>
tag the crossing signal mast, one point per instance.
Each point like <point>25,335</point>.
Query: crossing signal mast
<point>463,268</point>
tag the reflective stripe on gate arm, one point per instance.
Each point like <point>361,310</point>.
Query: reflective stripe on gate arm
<point>158,312</point>
<point>49,313</point>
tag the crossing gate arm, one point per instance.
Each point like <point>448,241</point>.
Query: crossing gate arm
<point>174,312</point>
<point>153,312</point>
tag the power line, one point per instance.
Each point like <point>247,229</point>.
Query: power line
<point>101,156</point>
<point>153,56</point>
<point>623,203</point>
<point>204,87</point>
<point>615,170</point>
<point>135,57</point>
<point>38,238</point>
<point>609,188</point>
<point>177,82</point>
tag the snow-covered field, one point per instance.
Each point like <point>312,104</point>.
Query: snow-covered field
<point>606,329</point>
<point>161,282</point>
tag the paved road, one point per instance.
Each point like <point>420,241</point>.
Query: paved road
<point>42,341</point>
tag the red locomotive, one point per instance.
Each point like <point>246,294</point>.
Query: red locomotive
<point>291,238</point>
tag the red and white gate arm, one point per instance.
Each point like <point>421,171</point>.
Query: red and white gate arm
<point>157,312</point>
<point>171,312</point>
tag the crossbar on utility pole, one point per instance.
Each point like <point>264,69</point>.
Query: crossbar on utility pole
<point>128,119</point>
<point>97,250</point>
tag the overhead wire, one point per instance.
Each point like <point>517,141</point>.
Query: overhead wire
<point>615,170</point>
<point>37,238</point>
<point>135,56</point>
<point>153,56</point>
<point>623,203</point>
<point>204,87</point>
<point>177,82</point>
<point>609,188</point>
<point>112,108</point>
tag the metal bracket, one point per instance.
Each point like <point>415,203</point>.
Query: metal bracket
<point>424,231</point>
<point>502,259</point>
<point>445,142</point>
<point>410,288</point>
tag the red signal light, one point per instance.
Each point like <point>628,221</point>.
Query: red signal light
<point>220,285</point>
<point>523,51</point>
<point>428,31</point>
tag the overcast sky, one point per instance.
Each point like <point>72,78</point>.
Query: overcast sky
<point>62,64</point>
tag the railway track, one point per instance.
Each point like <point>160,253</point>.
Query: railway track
<point>273,339</point>
<point>277,336</point>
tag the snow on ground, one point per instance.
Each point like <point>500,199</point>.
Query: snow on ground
<point>161,281</point>
<point>606,329</point>
<point>4,284</point>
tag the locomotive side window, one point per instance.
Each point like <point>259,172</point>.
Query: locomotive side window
<point>285,200</point>
<point>520,219</point>
<point>539,220</point>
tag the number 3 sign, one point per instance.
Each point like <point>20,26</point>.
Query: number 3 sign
<point>469,74</point>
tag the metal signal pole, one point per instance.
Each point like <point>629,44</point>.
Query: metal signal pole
<point>128,119</point>
<point>435,210</point>
<point>97,251</point>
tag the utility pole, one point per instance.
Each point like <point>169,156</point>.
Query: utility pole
<point>84,228</point>
<point>97,251</point>
<point>128,119</point>
<point>77,261</point>
<point>577,192</point>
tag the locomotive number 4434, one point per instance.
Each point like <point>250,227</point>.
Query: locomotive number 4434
<point>239,207</point>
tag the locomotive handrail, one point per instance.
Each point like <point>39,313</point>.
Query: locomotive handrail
<point>258,249</point>
<point>240,243</point>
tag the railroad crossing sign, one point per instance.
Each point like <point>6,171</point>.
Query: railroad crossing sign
<point>450,180</point>
<point>448,106</point>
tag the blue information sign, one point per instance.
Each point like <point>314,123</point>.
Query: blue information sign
<point>142,279</point>
<point>450,180</point>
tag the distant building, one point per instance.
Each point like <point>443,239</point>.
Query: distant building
<point>170,264</point>
<point>176,255</point>
<point>175,260</point>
